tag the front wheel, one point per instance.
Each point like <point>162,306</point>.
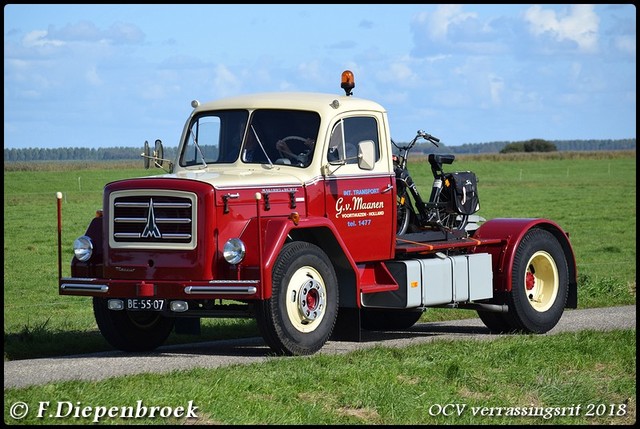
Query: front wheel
<point>539,285</point>
<point>300,315</point>
<point>132,331</point>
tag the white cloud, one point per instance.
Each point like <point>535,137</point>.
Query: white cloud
<point>572,99</point>
<point>402,75</point>
<point>87,31</point>
<point>496,87</point>
<point>444,16</point>
<point>225,81</point>
<point>38,38</point>
<point>92,76</point>
<point>125,33</point>
<point>526,101</point>
<point>366,24</point>
<point>579,26</point>
<point>156,91</point>
<point>626,44</point>
<point>312,71</point>
<point>450,30</point>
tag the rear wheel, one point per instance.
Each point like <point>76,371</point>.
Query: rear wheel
<point>539,283</point>
<point>403,212</point>
<point>496,322</point>
<point>132,331</point>
<point>447,217</point>
<point>300,315</point>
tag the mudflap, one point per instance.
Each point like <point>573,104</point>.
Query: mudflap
<point>347,327</point>
<point>187,326</point>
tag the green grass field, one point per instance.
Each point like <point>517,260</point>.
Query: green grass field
<point>583,378</point>
<point>590,195</point>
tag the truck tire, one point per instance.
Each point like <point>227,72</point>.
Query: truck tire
<point>131,331</point>
<point>299,317</point>
<point>374,319</point>
<point>539,286</point>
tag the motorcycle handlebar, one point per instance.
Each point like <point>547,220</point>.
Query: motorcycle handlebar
<point>427,136</point>
<point>420,133</point>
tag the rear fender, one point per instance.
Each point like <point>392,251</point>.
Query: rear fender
<point>511,232</point>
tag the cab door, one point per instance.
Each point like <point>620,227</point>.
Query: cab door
<point>360,202</point>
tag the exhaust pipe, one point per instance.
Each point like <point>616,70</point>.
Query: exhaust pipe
<point>494,308</point>
<point>59,198</point>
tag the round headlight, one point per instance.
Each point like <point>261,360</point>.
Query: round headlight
<point>234,251</point>
<point>83,248</point>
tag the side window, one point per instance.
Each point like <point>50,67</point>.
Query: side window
<point>336,143</point>
<point>203,142</point>
<point>347,133</point>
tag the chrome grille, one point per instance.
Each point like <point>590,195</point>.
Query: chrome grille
<point>152,220</point>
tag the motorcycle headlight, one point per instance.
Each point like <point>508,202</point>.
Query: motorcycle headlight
<point>83,248</point>
<point>234,251</point>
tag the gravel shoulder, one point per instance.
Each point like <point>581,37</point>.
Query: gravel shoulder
<point>213,354</point>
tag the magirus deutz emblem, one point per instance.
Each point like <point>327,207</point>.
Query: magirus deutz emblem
<point>151,229</point>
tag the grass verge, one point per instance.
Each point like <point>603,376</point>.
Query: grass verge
<point>582,378</point>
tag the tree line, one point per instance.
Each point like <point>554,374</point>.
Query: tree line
<point>79,154</point>
<point>534,145</point>
<point>130,153</point>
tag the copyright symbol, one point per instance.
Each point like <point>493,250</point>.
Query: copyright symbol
<point>19,410</point>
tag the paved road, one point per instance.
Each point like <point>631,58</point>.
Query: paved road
<point>98,366</point>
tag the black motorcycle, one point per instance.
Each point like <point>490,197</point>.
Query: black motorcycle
<point>453,198</point>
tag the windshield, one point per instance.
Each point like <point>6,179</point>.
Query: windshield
<point>269,136</point>
<point>214,137</point>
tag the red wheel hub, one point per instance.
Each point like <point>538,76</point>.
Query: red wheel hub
<point>530,280</point>
<point>312,299</point>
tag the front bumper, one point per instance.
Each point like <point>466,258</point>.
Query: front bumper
<point>212,289</point>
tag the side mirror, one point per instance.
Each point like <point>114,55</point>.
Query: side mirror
<point>157,156</point>
<point>158,153</point>
<point>366,154</point>
<point>145,155</point>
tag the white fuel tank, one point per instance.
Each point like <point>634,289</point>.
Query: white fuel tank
<point>436,281</point>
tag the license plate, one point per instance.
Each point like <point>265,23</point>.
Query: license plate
<point>145,304</point>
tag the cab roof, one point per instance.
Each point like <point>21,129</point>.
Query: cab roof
<point>312,101</point>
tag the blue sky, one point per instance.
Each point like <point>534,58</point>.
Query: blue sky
<point>99,75</point>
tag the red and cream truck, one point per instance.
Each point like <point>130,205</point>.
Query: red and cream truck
<point>284,207</point>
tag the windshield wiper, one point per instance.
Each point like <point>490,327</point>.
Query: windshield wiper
<point>261,146</point>
<point>195,142</point>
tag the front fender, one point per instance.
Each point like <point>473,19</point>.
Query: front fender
<point>276,231</point>
<point>94,266</point>
<point>511,232</point>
